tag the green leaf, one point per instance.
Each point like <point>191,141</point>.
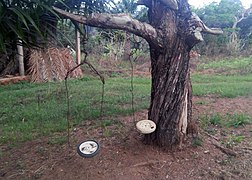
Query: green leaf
<point>28,17</point>
<point>17,31</point>
<point>48,8</point>
<point>2,44</point>
<point>20,16</point>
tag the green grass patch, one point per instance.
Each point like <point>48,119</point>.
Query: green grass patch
<point>197,141</point>
<point>233,140</point>
<point>223,86</point>
<point>228,120</point>
<point>106,123</point>
<point>216,119</point>
<point>229,66</point>
<point>236,120</point>
<point>30,110</point>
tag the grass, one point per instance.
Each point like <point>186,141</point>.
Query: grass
<point>32,110</point>
<point>229,66</point>
<point>236,120</point>
<point>233,140</point>
<point>57,140</point>
<point>216,119</point>
<point>229,120</point>
<point>223,86</point>
<point>197,141</point>
<point>226,124</point>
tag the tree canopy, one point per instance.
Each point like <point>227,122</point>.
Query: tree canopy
<point>234,19</point>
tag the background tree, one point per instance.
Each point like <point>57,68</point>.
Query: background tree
<point>19,25</point>
<point>172,32</point>
<point>226,14</point>
<point>34,24</point>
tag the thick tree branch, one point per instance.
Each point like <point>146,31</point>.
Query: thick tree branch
<point>115,21</point>
<point>202,27</point>
<point>196,27</point>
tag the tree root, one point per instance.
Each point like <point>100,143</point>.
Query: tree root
<point>223,149</point>
<point>247,148</point>
<point>211,136</point>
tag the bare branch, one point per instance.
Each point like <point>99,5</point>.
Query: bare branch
<point>214,31</point>
<point>196,28</point>
<point>202,27</point>
<point>114,21</point>
<point>244,15</point>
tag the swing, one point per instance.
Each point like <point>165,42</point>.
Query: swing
<point>88,148</point>
<point>143,126</point>
<point>146,126</point>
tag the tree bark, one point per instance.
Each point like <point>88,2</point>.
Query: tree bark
<point>171,34</point>
<point>170,106</point>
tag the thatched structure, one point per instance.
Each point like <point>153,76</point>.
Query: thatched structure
<point>51,64</point>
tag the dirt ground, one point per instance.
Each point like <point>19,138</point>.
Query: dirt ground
<point>124,156</point>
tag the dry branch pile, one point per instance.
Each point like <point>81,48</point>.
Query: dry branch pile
<point>51,64</point>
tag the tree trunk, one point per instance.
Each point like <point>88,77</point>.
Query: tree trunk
<point>170,106</point>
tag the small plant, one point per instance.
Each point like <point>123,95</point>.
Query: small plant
<point>106,123</point>
<point>237,120</point>
<point>203,121</point>
<point>41,150</point>
<point>201,103</point>
<point>233,140</point>
<point>211,130</point>
<point>216,119</point>
<point>107,132</point>
<point>197,141</point>
<point>224,161</point>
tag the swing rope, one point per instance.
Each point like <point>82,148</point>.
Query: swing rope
<point>131,60</point>
<point>92,68</point>
<point>132,87</point>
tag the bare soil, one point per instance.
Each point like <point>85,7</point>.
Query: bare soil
<point>124,156</point>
